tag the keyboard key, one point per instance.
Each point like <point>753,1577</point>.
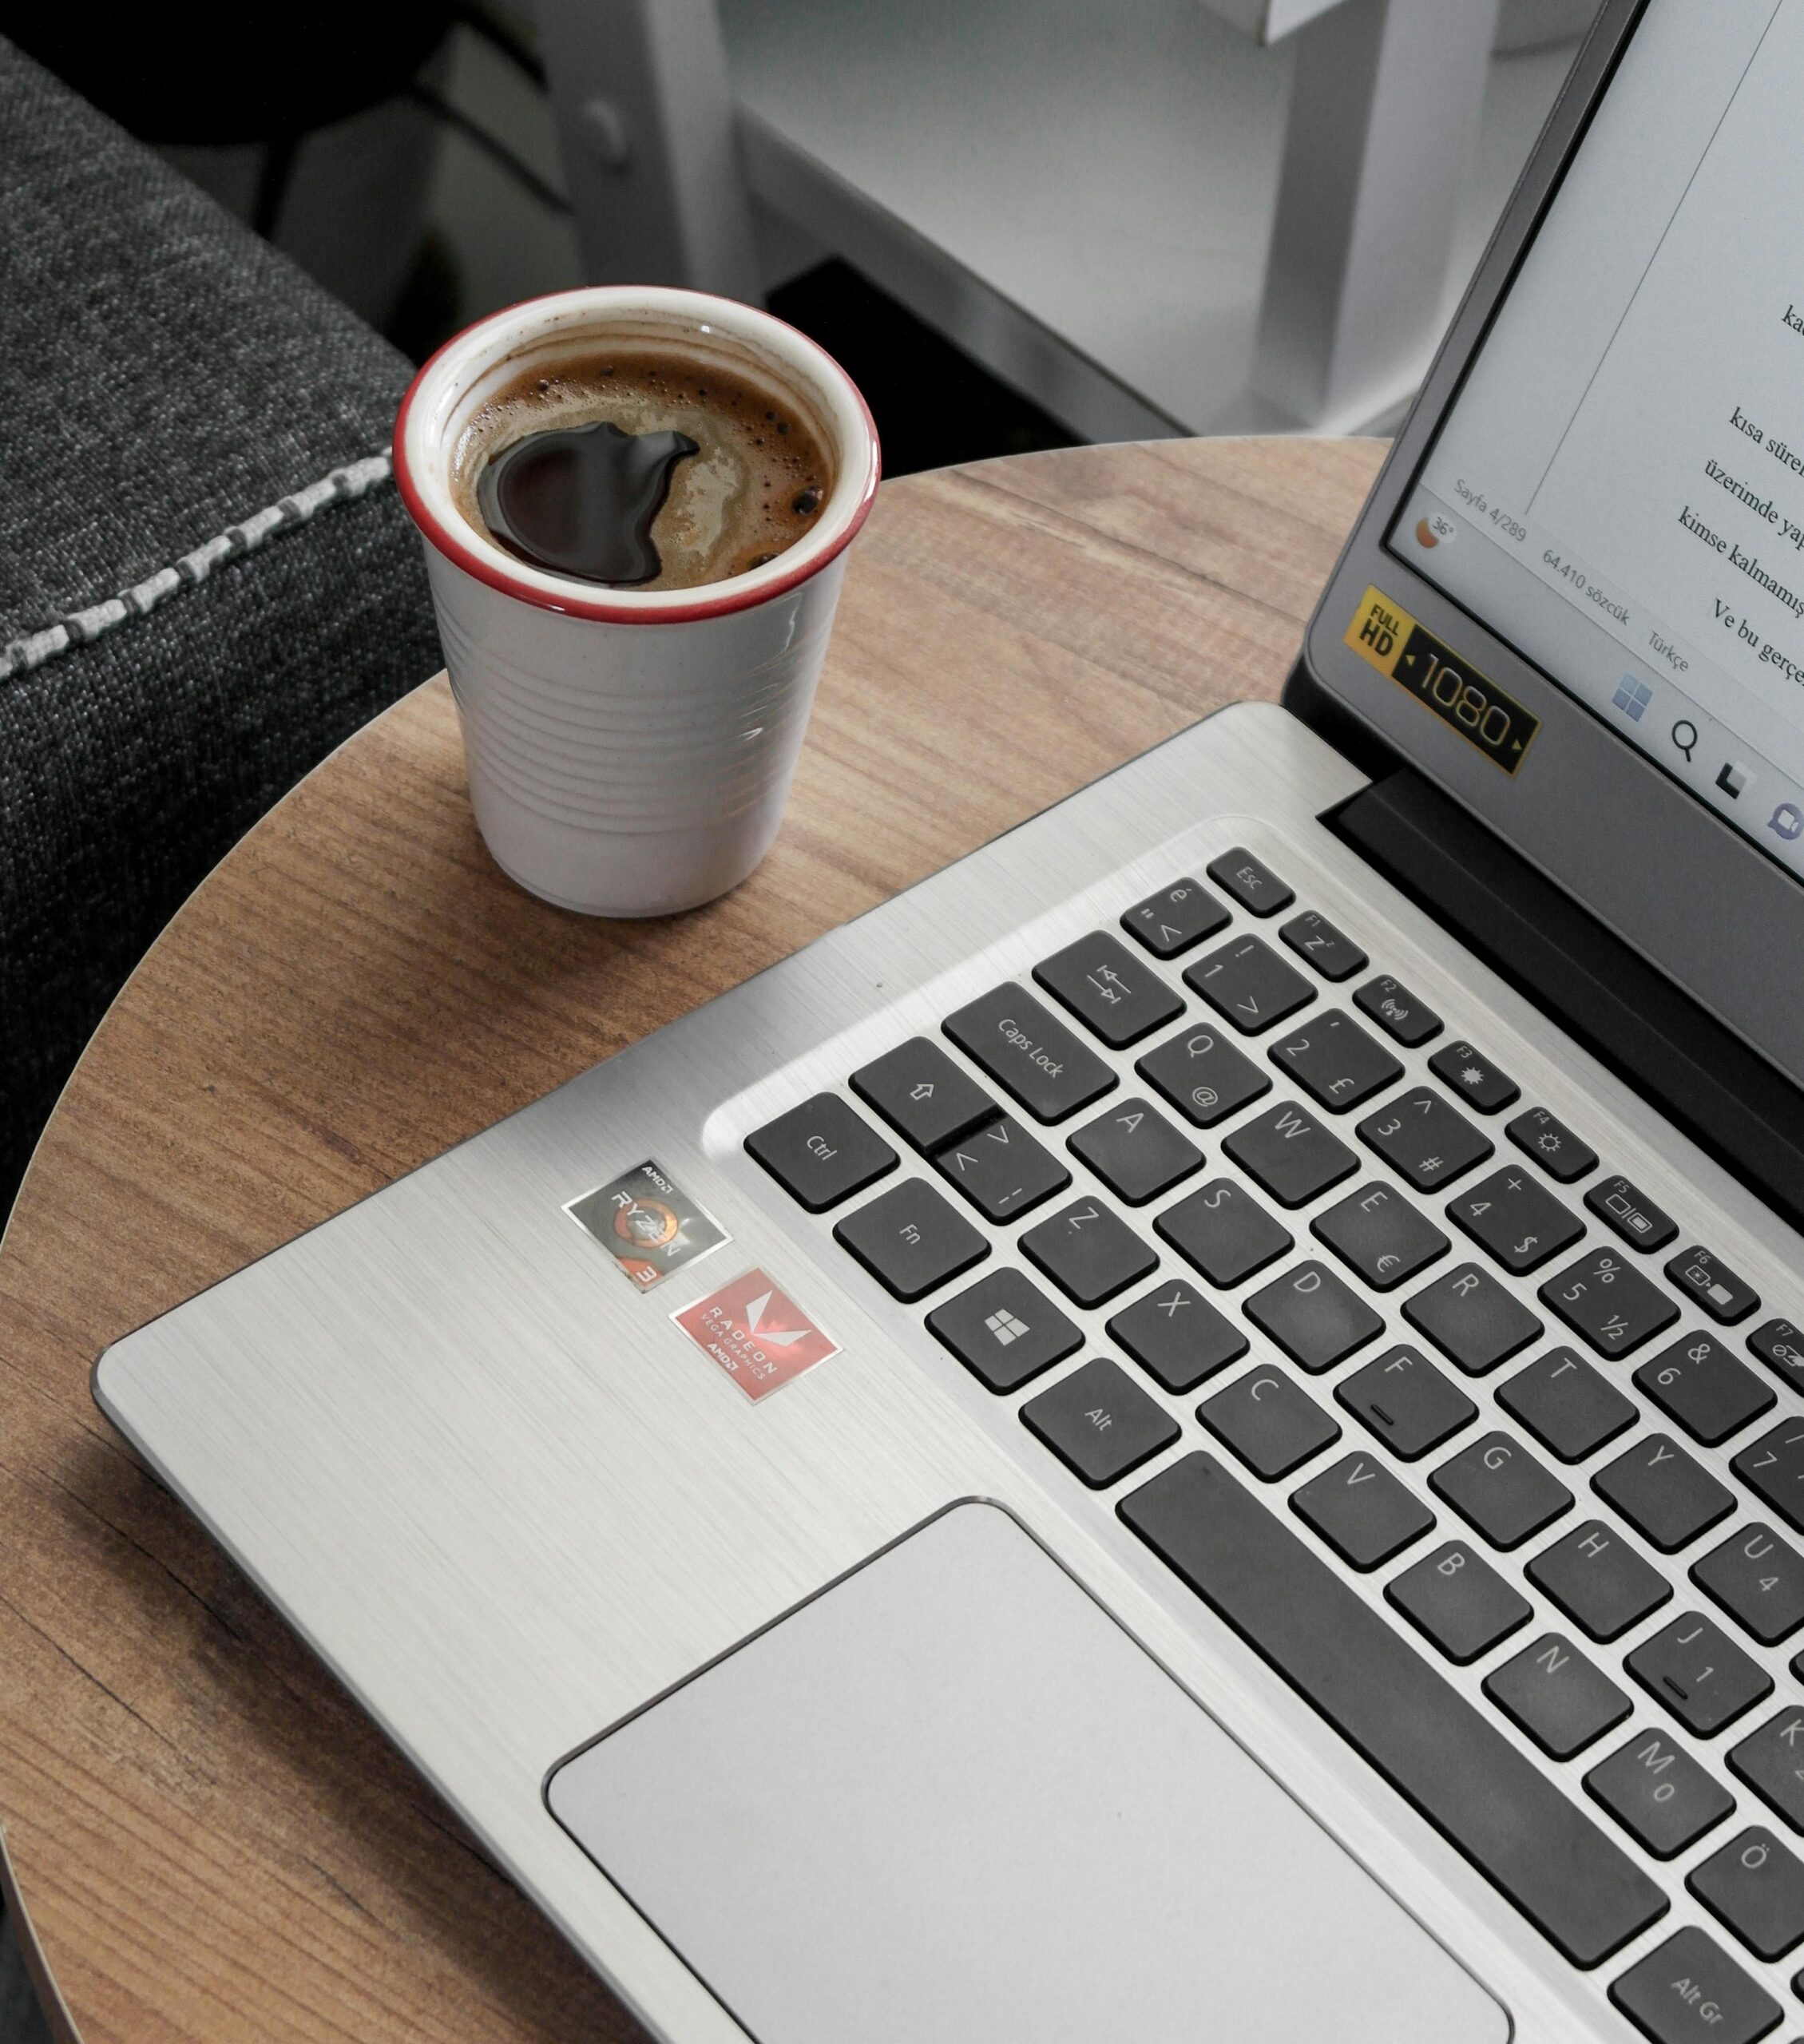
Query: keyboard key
<point>922,1094</point>
<point>1696,1670</point>
<point>1498,1488</point>
<point>1660,1794</point>
<point>1755,1885</point>
<point>1223,1232</point>
<point>1561,1700</point>
<point>1407,1402</point>
<point>1247,982</point>
<point>1689,1990</point>
<point>1203,1076</point>
<point>1773,1468</point>
<point>1269,1423</point>
<point>1135,1151</point>
<point>1552,1145</point>
<point>1455,1597</point>
<point>822,1152</point>
<point>1380,1234</point>
<point>1780,1346</point>
<point>1313,1316</point>
<point>1089,1252</point>
<point>1174,919</point>
<point>1027,1050</point>
<point>1666,1497</point>
<point>1599,1580</point>
<point>1005,1330</point>
<point>1611,1305</point>
<point>1336,1063</point>
<point>1313,937</point>
<point>1625,1207</point>
<point>1103,985</point>
<point>1709,1393</point>
<point>1566,1404</point>
<point>1001,1169</point>
<point>1473,1077</point>
<point>1099,1423</point>
<point>1397,1011</point>
<point>1251,882</point>
<point>1513,1216</point>
<point>1289,1152</point>
<point>1711,1284</point>
<point>1423,1139</point>
<point>1759,1580</point>
<point>911,1239</point>
<point>1177,1337</point>
<point>1470,1316</point>
<point>1698,1673</point>
<point>1771,1762</point>
<point>1493,1803</point>
<point>1362,1511</point>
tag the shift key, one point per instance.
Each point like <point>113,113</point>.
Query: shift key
<point>1029,1052</point>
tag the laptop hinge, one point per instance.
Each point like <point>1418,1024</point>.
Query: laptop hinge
<point>1654,1036</point>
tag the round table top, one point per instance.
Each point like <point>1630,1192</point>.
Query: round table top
<point>210,1840</point>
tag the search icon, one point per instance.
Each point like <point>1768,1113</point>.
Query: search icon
<point>1685,736</point>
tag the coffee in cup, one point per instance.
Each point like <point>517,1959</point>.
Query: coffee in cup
<point>641,468</point>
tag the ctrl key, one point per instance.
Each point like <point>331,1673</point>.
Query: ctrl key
<point>1690,1989</point>
<point>822,1151</point>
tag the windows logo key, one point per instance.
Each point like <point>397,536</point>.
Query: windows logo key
<point>1632,697</point>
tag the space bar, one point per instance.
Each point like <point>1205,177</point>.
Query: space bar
<point>1433,1747</point>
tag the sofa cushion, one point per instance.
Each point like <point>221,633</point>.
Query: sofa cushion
<point>207,579</point>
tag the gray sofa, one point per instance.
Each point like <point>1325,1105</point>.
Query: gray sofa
<point>207,579</point>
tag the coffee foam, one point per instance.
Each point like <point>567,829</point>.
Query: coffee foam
<point>756,484</point>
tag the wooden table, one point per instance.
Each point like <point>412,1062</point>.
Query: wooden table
<point>210,1839</point>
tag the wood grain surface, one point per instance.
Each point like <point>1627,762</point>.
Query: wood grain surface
<point>211,1841</point>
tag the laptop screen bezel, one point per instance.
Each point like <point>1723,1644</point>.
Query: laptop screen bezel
<point>1603,820</point>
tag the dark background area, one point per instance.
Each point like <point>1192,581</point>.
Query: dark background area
<point>241,110</point>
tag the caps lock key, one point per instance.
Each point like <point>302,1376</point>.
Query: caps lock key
<point>1025,1049</point>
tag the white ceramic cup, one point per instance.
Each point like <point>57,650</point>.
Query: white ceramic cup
<point>630,751</point>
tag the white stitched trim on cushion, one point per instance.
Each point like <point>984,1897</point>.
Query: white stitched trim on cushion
<point>355,479</point>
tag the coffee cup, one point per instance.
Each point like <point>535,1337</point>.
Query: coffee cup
<point>630,749</point>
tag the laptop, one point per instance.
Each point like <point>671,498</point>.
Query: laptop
<point>1195,1428</point>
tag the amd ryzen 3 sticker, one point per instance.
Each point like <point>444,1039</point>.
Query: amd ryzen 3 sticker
<point>646,1222</point>
<point>756,1333</point>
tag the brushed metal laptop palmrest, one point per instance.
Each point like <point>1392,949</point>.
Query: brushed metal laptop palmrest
<point>952,1798</point>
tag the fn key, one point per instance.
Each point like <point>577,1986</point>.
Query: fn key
<point>911,1239</point>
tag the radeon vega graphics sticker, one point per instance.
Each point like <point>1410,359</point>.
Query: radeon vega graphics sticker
<point>756,1333</point>
<point>647,1224</point>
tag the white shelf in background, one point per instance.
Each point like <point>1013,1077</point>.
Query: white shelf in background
<point>1079,192</point>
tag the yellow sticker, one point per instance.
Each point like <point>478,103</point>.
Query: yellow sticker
<point>1491,721</point>
<point>1379,631</point>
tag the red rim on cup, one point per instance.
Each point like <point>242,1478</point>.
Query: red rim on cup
<point>471,366</point>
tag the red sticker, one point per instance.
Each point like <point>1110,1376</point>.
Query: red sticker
<point>757,1334</point>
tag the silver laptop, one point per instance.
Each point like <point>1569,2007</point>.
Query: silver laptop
<point>1194,1430</point>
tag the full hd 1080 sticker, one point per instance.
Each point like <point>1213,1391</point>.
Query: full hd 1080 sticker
<point>647,1224</point>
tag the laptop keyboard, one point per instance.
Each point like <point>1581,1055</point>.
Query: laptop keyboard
<point>1308,1428</point>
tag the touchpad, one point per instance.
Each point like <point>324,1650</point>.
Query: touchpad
<point>951,1798</point>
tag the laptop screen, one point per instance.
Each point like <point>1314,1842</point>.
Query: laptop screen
<point>1618,490</point>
